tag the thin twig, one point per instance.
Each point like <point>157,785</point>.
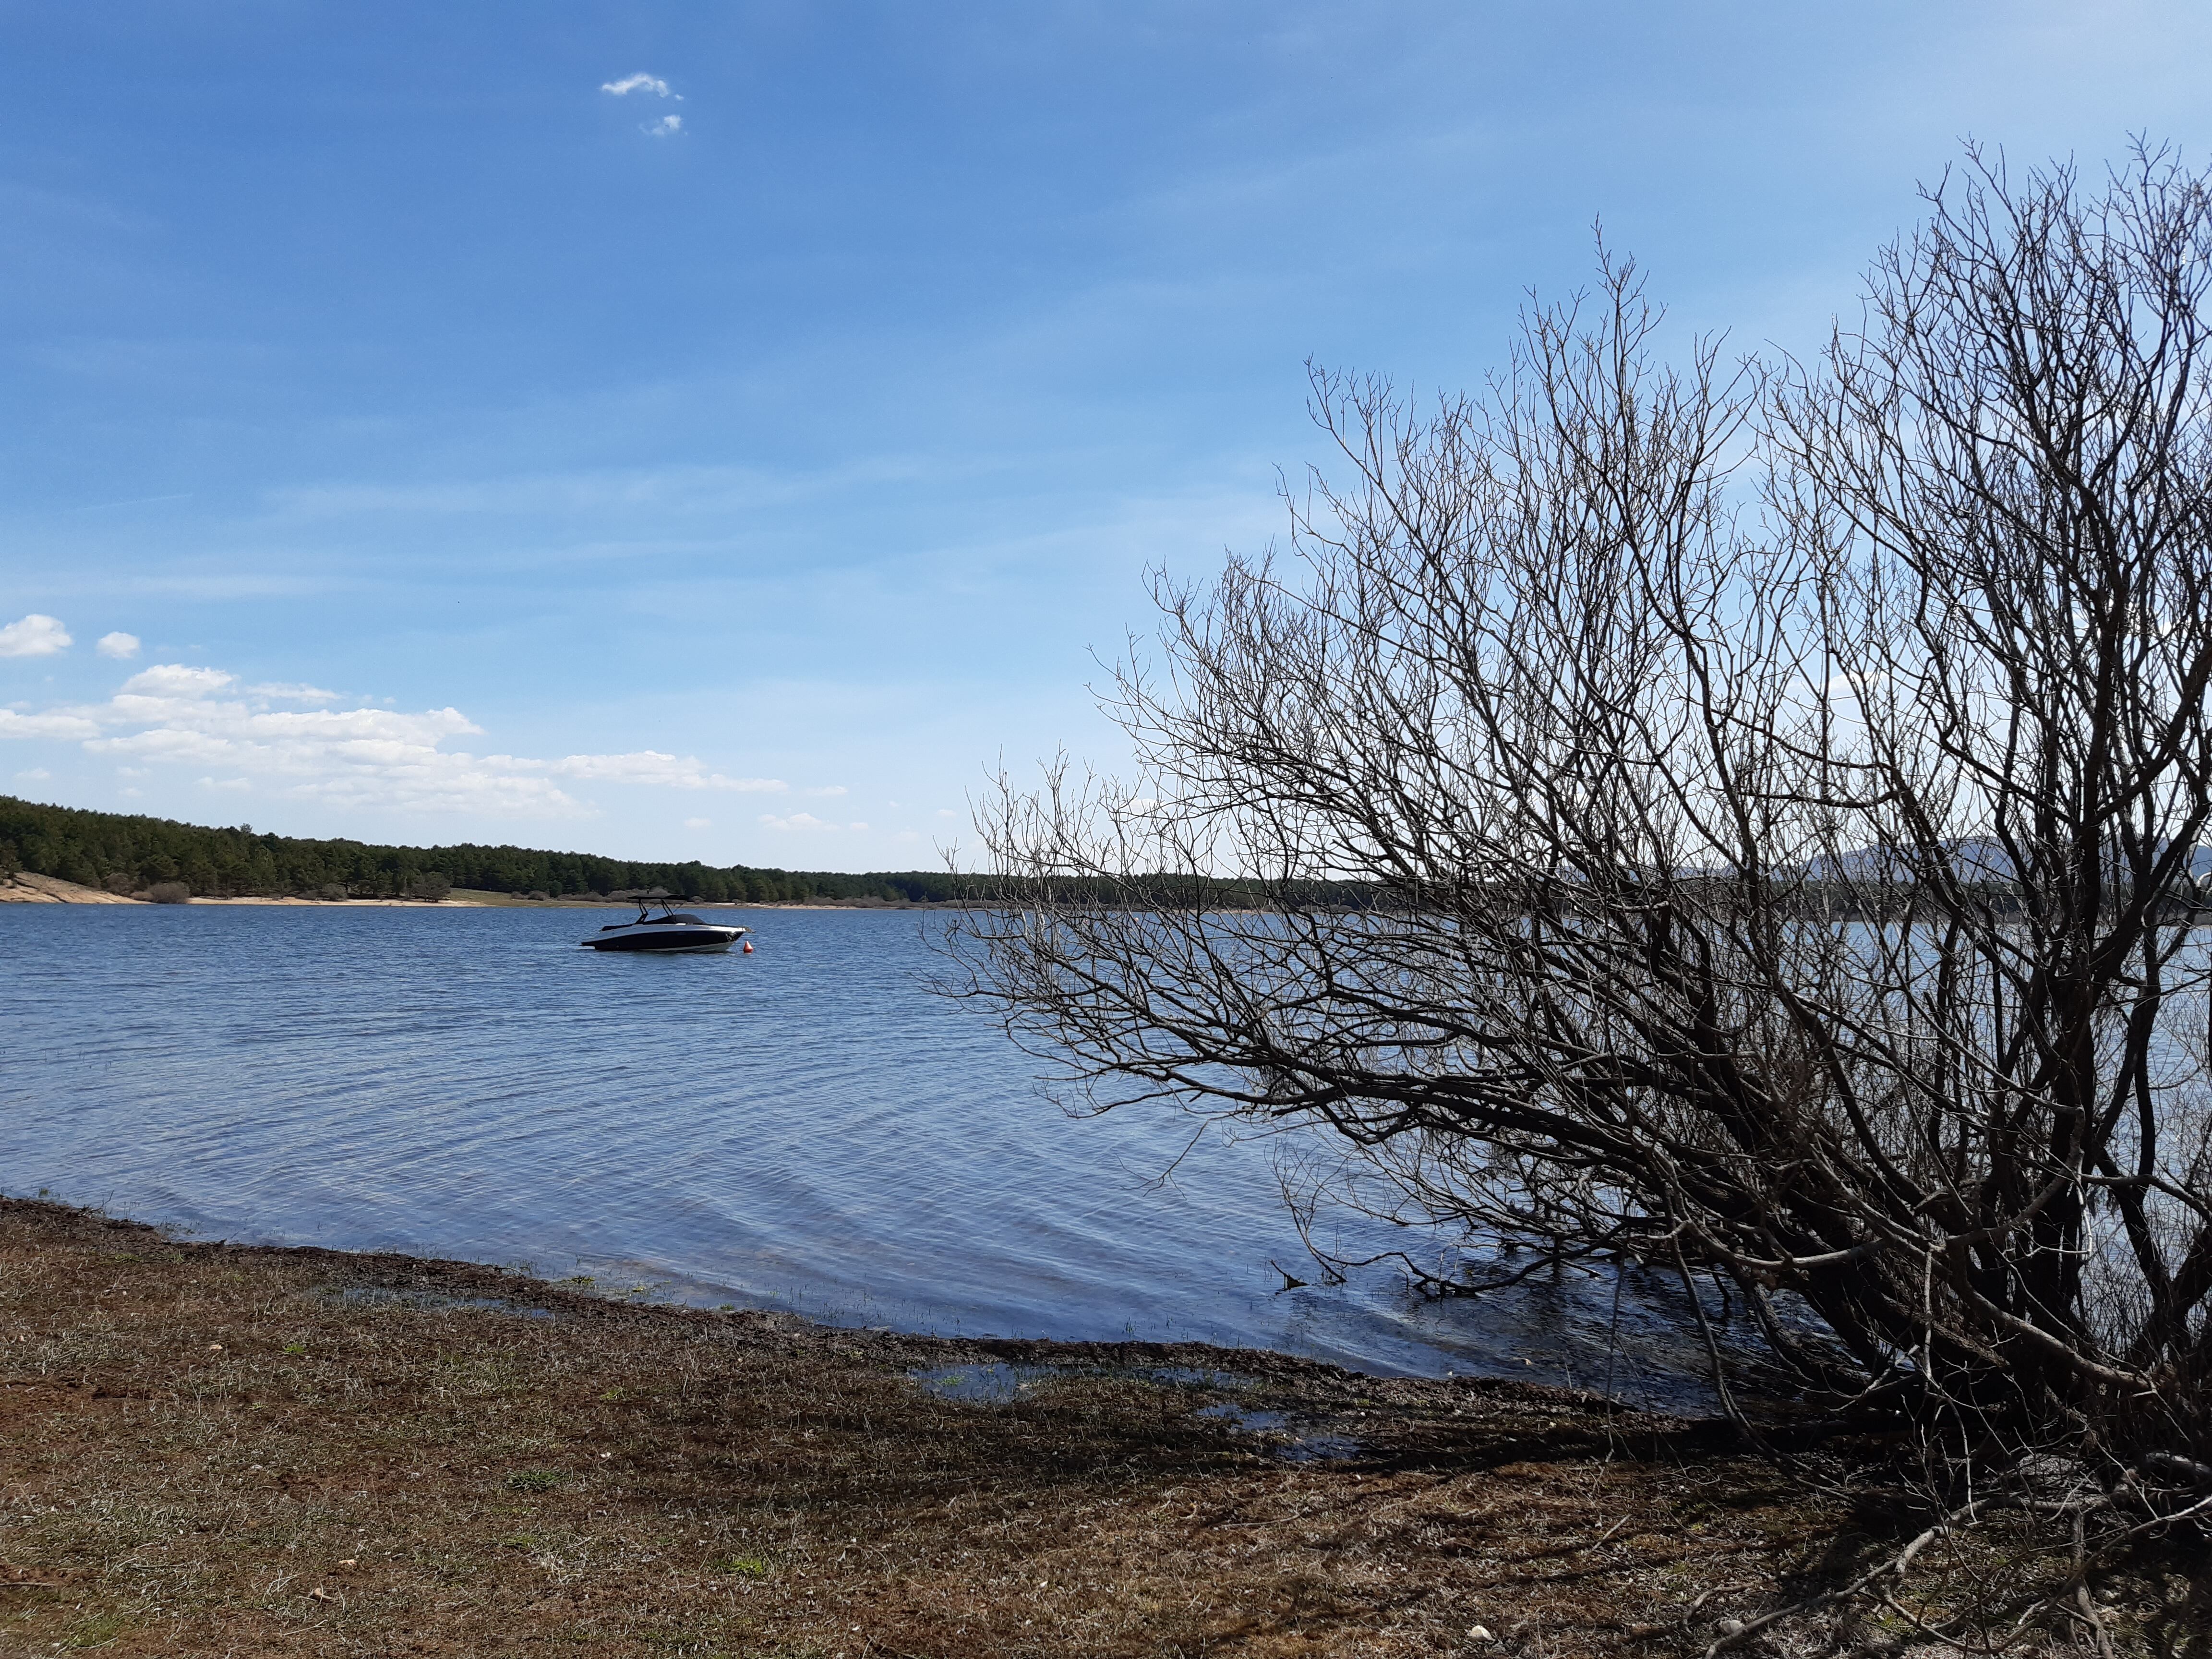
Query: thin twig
<point>1896,1563</point>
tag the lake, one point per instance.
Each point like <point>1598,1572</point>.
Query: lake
<point>808,1128</point>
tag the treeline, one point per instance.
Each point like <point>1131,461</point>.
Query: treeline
<point>126,854</point>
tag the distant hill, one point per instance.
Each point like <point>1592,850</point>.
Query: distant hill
<point>125,853</point>
<point>1975,857</point>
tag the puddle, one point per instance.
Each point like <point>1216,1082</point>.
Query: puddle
<point>380,1295</point>
<point>1295,1445</point>
<point>1000,1382</point>
<point>991,1382</point>
<point>1189,1376</point>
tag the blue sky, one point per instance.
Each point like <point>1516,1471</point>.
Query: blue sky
<point>737,465</point>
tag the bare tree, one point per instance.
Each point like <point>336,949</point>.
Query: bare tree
<point>1773,797</point>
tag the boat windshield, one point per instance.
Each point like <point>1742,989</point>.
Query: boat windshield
<point>647,904</point>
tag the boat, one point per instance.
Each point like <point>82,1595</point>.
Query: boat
<point>670,930</point>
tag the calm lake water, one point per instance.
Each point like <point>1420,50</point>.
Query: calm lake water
<point>808,1128</point>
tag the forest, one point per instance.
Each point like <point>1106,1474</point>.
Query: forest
<point>129,853</point>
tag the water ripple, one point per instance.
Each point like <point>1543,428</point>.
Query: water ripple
<point>806,1127</point>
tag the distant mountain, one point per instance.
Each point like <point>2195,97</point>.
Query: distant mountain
<point>1976,858</point>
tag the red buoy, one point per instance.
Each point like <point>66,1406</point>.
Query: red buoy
<point>748,947</point>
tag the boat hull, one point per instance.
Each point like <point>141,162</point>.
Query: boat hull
<point>669,941</point>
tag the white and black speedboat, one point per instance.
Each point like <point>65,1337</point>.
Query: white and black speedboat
<point>670,930</point>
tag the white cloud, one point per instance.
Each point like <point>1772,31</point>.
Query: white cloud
<point>354,756</point>
<point>667,127</point>
<point>801,821</point>
<point>651,766</point>
<point>175,679</point>
<point>828,789</point>
<point>120,646</point>
<point>240,736</point>
<point>640,82</point>
<point>859,826</point>
<point>35,775</point>
<point>698,823</point>
<point>33,636</point>
<point>946,812</point>
<point>282,691</point>
<point>58,725</point>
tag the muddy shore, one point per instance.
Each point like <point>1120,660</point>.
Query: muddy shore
<point>211,1448</point>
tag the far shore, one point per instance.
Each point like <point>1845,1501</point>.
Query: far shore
<point>24,888</point>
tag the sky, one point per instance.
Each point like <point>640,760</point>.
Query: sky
<point>733,430</point>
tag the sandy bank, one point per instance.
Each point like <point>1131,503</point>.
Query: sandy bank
<point>24,888</point>
<point>349,904</point>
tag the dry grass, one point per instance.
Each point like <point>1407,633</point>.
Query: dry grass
<point>206,1450</point>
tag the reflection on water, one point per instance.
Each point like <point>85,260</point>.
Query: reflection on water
<point>806,1127</point>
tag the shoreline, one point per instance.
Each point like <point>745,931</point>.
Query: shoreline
<point>205,1445</point>
<point>209,1447</point>
<point>26,888</point>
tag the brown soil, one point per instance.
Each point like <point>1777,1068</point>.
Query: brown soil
<point>216,1449</point>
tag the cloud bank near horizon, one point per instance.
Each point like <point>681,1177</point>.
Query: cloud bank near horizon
<point>291,739</point>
